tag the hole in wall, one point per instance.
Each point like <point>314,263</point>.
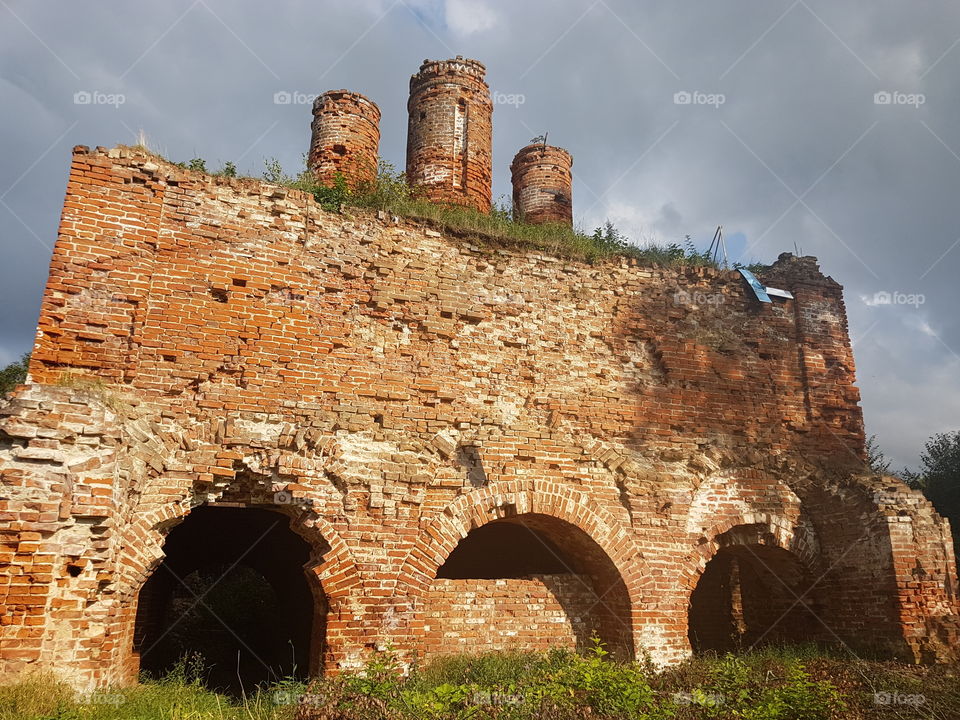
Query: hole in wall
<point>577,579</point>
<point>748,595</point>
<point>261,619</point>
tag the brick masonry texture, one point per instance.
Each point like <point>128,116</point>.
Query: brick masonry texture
<point>450,133</point>
<point>345,138</point>
<point>536,613</point>
<point>389,390</point>
<point>542,178</point>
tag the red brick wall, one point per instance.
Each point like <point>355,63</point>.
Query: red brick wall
<point>388,389</point>
<point>535,613</point>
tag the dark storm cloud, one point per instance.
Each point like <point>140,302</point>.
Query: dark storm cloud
<point>781,141</point>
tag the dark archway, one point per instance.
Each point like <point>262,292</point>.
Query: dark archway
<point>572,567</point>
<point>750,595</point>
<point>233,589</point>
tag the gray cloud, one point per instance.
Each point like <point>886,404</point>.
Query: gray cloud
<point>798,119</point>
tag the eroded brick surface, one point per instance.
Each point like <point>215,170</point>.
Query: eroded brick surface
<point>389,390</point>
<point>345,138</point>
<point>536,613</point>
<point>450,133</point>
<point>542,177</point>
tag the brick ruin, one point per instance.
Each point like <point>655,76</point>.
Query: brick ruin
<point>542,177</point>
<point>433,443</point>
<point>450,132</point>
<point>345,138</point>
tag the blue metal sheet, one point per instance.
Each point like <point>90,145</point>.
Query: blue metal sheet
<point>755,285</point>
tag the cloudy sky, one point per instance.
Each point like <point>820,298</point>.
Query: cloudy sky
<point>832,128</point>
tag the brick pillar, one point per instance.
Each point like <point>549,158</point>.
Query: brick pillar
<point>450,134</point>
<point>345,138</point>
<point>543,185</point>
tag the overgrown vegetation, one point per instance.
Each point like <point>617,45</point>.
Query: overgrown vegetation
<point>390,193</point>
<point>773,684</point>
<point>228,169</point>
<point>13,374</point>
<point>939,477</point>
<point>97,388</point>
<point>181,695</point>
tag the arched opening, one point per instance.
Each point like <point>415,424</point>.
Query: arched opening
<point>232,589</point>
<point>752,593</point>
<point>527,582</point>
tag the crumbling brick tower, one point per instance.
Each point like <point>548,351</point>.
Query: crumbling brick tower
<point>543,184</point>
<point>449,135</point>
<point>345,138</point>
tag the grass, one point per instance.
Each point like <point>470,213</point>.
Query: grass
<point>97,388</point>
<point>390,193</point>
<point>180,695</point>
<point>804,683</point>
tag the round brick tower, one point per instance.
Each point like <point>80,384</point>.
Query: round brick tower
<point>450,132</point>
<point>345,138</point>
<point>543,185</point>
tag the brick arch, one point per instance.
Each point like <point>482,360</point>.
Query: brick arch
<point>745,498</point>
<point>795,535</point>
<point>334,579</point>
<point>511,499</point>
